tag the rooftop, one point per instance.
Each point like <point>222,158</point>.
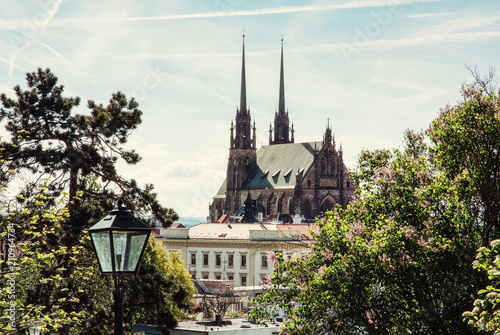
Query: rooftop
<point>237,326</point>
<point>277,166</point>
<point>242,231</point>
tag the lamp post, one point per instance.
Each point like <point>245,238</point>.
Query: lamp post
<point>119,241</point>
<point>34,329</point>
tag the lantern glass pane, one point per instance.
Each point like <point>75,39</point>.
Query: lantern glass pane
<point>103,250</point>
<point>128,247</point>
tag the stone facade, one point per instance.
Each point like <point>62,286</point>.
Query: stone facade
<point>284,178</point>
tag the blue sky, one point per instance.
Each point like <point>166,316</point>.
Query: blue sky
<point>373,68</point>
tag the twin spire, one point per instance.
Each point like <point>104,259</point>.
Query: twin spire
<point>283,133</point>
<point>282,130</point>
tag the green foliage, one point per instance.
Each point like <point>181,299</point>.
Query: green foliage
<point>467,145</point>
<point>48,141</point>
<point>486,312</point>
<point>467,148</point>
<point>161,291</point>
<point>65,164</point>
<point>35,275</point>
<point>397,259</point>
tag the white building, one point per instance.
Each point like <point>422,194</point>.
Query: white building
<point>236,251</point>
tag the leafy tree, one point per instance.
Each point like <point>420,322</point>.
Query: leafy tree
<point>479,116</point>
<point>31,265</point>
<point>467,148</point>
<point>397,260</point>
<point>161,291</point>
<point>49,141</point>
<point>74,158</point>
<point>485,315</point>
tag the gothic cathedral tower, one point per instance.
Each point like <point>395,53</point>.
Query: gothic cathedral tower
<point>242,151</point>
<point>282,129</point>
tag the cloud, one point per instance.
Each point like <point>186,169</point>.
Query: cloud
<point>226,12</point>
<point>31,29</point>
<point>186,185</point>
<point>400,79</point>
<point>351,48</point>
<point>461,24</point>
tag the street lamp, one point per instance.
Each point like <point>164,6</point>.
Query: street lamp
<point>119,241</point>
<point>34,329</point>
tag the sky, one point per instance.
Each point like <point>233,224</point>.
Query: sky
<point>369,68</point>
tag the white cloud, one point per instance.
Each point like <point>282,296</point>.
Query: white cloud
<point>116,18</point>
<point>397,79</point>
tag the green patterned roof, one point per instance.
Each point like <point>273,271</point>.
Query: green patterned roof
<point>278,164</point>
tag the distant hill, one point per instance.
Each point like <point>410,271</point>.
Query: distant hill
<point>190,221</point>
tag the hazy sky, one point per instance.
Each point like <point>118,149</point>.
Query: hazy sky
<point>373,67</point>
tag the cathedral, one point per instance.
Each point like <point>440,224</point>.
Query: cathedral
<point>283,178</point>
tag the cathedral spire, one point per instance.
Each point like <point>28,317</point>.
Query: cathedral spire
<point>243,94</point>
<point>281,122</point>
<point>243,127</point>
<point>281,107</point>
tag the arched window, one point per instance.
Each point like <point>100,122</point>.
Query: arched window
<point>326,205</point>
<point>279,207</point>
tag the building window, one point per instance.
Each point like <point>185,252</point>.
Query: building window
<point>230,278</point>
<point>193,276</point>
<point>231,260</point>
<point>217,259</point>
<point>193,259</point>
<point>243,260</point>
<point>217,277</point>
<point>204,276</point>
<point>264,261</point>
<point>205,259</point>
<point>243,281</point>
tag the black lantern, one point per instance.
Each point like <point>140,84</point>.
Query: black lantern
<point>119,241</point>
<point>34,329</point>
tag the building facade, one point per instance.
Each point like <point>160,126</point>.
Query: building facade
<point>284,177</point>
<point>236,252</point>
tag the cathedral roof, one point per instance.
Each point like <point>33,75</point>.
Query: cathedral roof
<point>278,164</point>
